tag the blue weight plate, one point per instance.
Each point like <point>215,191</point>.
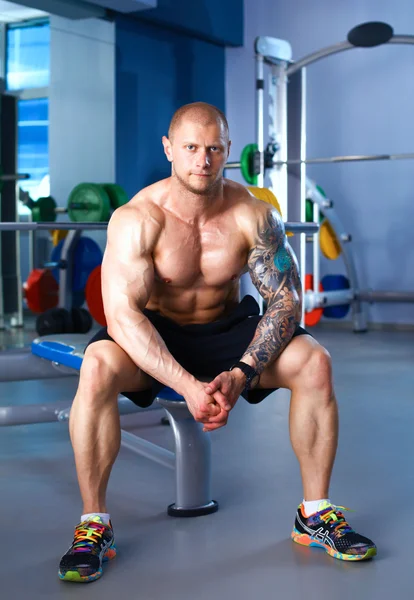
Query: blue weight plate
<point>87,256</point>
<point>332,283</point>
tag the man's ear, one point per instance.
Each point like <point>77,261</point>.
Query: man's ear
<point>228,148</point>
<point>167,148</point>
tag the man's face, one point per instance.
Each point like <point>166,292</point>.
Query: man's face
<point>198,153</point>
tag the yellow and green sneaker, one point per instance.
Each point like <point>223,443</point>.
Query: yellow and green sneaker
<point>93,544</point>
<point>329,530</point>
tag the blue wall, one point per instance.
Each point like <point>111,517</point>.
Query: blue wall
<point>358,102</point>
<point>157,71</point>
<point>217,21</point>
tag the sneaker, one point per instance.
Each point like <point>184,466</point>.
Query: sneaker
<point>93,544</point>
<point>329,530</point>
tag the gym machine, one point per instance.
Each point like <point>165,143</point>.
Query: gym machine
<point>285,167</point>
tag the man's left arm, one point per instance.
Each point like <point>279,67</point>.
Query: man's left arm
<point>274,272</point>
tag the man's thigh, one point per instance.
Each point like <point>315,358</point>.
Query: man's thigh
<point>284,370</point>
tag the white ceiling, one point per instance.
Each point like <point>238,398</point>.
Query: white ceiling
<point>10,12</point>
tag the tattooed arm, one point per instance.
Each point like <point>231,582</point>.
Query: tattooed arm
<point>273,269</point>
<point>274,272</point>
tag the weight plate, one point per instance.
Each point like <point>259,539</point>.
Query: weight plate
<point>246,163</point>
<point>41,291</point>
<point>313,317</point>
<point>328,241</point>
<point>117,195</point>
<point>54,321</point>
<point>266,195</point>
<point>58,235</point>
<point>309,212</point>
<point>82,320</point>
<point>46,209</point>
<point>333,283</point>
<point>89,202</point>
<point>93,295</point>
<point>87,256</point>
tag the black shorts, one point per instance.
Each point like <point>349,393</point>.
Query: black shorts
<point>204,350</point>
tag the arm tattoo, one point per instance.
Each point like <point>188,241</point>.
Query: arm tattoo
<point>273,270</point>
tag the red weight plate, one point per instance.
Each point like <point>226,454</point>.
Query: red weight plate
<point>93,295</point>
<point>312,318</point>
<point>41,291</point>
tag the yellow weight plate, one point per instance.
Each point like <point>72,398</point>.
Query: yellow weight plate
<point>328,241</point>
<point>58,235</point>
<point>266,195</point>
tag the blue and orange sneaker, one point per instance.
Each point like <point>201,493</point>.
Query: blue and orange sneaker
<point>93,544</point>
<point>329,530</point>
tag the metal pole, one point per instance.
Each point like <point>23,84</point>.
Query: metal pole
<point>14,226</point>
<point>16,177</point>
<point>301,227</point>
<point>336,48</point>
<point>323,53</point>
<point>314,300</point>
<point>279,176</point>
<point>148,449</point>
<point>303,185</point>
<point>327,208</point>
<point>378,296</point>
<point>66,274</point>
<point>316,250</point>
<point>289,226</point>
<point>349,158</point>
<point>260,116</point>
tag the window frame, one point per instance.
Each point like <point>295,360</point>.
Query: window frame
<point>32,93</point>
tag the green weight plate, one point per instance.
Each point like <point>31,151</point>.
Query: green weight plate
<point>46,209</point>
<point>309,212</point>
<point>318,187</point>
<point>246,162</point>
<point>89,202</point>
<point>117,195</point>
<point>36,214</point>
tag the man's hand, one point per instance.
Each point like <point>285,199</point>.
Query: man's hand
<point>203,406</point>
<point>225,389</point>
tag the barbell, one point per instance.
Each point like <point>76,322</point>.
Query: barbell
<point>11,177</point>
<point>249,163</point>
<point>88,202</point>
<point>290,226</point>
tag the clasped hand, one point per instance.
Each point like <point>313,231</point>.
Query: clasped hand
<point>212,402</point>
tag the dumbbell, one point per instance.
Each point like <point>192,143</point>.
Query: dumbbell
<point>88,202</point>
<point>60,320</point>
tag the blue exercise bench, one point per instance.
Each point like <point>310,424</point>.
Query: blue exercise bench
<point>192,455</point>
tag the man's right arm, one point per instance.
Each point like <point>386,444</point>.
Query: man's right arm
<point>127,280</point>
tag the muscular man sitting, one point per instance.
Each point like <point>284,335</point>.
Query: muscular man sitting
<point>174,257</point>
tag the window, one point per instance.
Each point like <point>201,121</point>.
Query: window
<point>33,155</point>
<point>28,74</point>
<point>28,56</point>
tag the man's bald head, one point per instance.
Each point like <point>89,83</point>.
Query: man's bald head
<point>200,113</point>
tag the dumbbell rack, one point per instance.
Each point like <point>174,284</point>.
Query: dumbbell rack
<point>67,254</point>
<point>65,266</point>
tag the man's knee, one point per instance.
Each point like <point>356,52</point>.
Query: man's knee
<point>316,370</point>
<point>98,372</point>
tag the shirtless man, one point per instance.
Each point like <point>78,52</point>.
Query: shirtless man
<point>170,274</point>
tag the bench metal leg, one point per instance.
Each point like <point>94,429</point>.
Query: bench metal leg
<point>192,462</point>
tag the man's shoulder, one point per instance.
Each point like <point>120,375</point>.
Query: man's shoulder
<point>144,206</point>
<point>246,206</point>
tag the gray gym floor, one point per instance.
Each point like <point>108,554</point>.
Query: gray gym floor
<point>244,551</point>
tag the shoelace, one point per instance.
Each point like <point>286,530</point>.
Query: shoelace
<point>334,514</point>
<point>86,535</point>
